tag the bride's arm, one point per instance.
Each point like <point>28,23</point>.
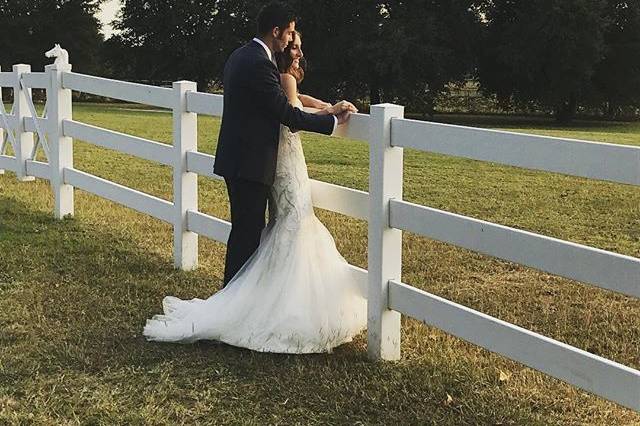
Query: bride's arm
<point>310,101</point>
<point>290,87</point>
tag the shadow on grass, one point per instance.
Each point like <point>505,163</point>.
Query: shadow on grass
<point>73,301</point>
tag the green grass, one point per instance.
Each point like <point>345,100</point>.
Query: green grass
<point>74,296</point>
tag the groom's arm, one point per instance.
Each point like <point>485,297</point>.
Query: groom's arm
<point>268,94</point>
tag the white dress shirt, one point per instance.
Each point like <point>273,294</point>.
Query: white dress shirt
<point>270,55</point>
<point>261,43</point>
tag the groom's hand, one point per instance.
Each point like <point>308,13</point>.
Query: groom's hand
<point>343,117</point>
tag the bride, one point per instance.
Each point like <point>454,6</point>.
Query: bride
<point>296,293</point>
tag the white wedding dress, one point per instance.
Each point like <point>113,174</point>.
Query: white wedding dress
<point>296,294</point>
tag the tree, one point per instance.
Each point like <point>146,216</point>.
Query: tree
<point>617,76</point>
<point>394,51</point>
<point>28,28</point>
<point>172,40</point>
<point>543,52</point>
<point>439,43</point>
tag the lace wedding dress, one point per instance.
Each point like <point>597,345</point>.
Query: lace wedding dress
<point>296,294</point>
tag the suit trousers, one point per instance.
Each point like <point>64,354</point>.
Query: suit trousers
<point>248,202</point>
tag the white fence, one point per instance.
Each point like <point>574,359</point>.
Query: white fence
<point>387,133</point>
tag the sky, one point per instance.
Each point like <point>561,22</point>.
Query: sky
<point>108,13</point>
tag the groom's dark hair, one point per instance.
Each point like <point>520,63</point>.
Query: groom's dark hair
<point>275,14</point>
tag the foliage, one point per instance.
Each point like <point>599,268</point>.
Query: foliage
<point>173,40</point>
<point>562,56</point>
<point>28,28</point>
<point>541,55</point>
<point>543,52</point>
<point>393,51</point>
<point>617,77</point>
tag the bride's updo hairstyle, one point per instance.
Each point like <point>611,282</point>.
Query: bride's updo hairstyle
<point>284,61</point>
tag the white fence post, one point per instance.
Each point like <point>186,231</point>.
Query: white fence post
<point>185,184</point>
<point>59,108</point>
<point>24,140</point>
<point>385,243</point>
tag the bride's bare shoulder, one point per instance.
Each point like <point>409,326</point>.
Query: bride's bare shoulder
<point>287,79</point>
<point>290,86</point>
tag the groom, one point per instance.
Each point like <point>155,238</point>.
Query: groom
<point>254,107</point>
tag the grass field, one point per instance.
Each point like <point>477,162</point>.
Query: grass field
<point>74,296</point>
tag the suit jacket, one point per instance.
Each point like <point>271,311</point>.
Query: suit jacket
<point>254,107</point>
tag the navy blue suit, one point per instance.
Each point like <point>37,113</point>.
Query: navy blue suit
<point>254,107</point>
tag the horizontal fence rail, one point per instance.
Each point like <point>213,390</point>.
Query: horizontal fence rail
<point>132,145</point>
<point>218,230</point>
<point>136,200</point>
<point>593,373</point>
<point>35,80</point>
<point>605,269</point>
<point>211,104</point>
<point>357,129</point>
<point>12,121</point>
<point>8,79</point>
<point>336,198</point>
<point>30,125</point>
<point>595,160</point>
<point>339,199</point>
<point>208,226</point>
<point>360,276</point>
<point>205,103</point>
<point>201,164</point>
<point>132,92</point>
<point>8,163</point>
<point>39,169</point>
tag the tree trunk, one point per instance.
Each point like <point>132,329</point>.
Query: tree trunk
<point>566,110</point>
<point>613,110</point>
<point>374,93</point>
<point>203,84</point>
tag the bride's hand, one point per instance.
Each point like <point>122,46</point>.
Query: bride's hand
<point>341,107</point>
<point>323,105</point>
<point>350,107</point>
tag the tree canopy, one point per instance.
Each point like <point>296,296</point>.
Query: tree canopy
<point>617,75</point>
<point>543,51</point>
<point>28,28</point>
<point>560,56</point>
<point>392,51</point>
<point>170,40</point>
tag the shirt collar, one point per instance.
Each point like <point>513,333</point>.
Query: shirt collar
<point>261,43</point>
